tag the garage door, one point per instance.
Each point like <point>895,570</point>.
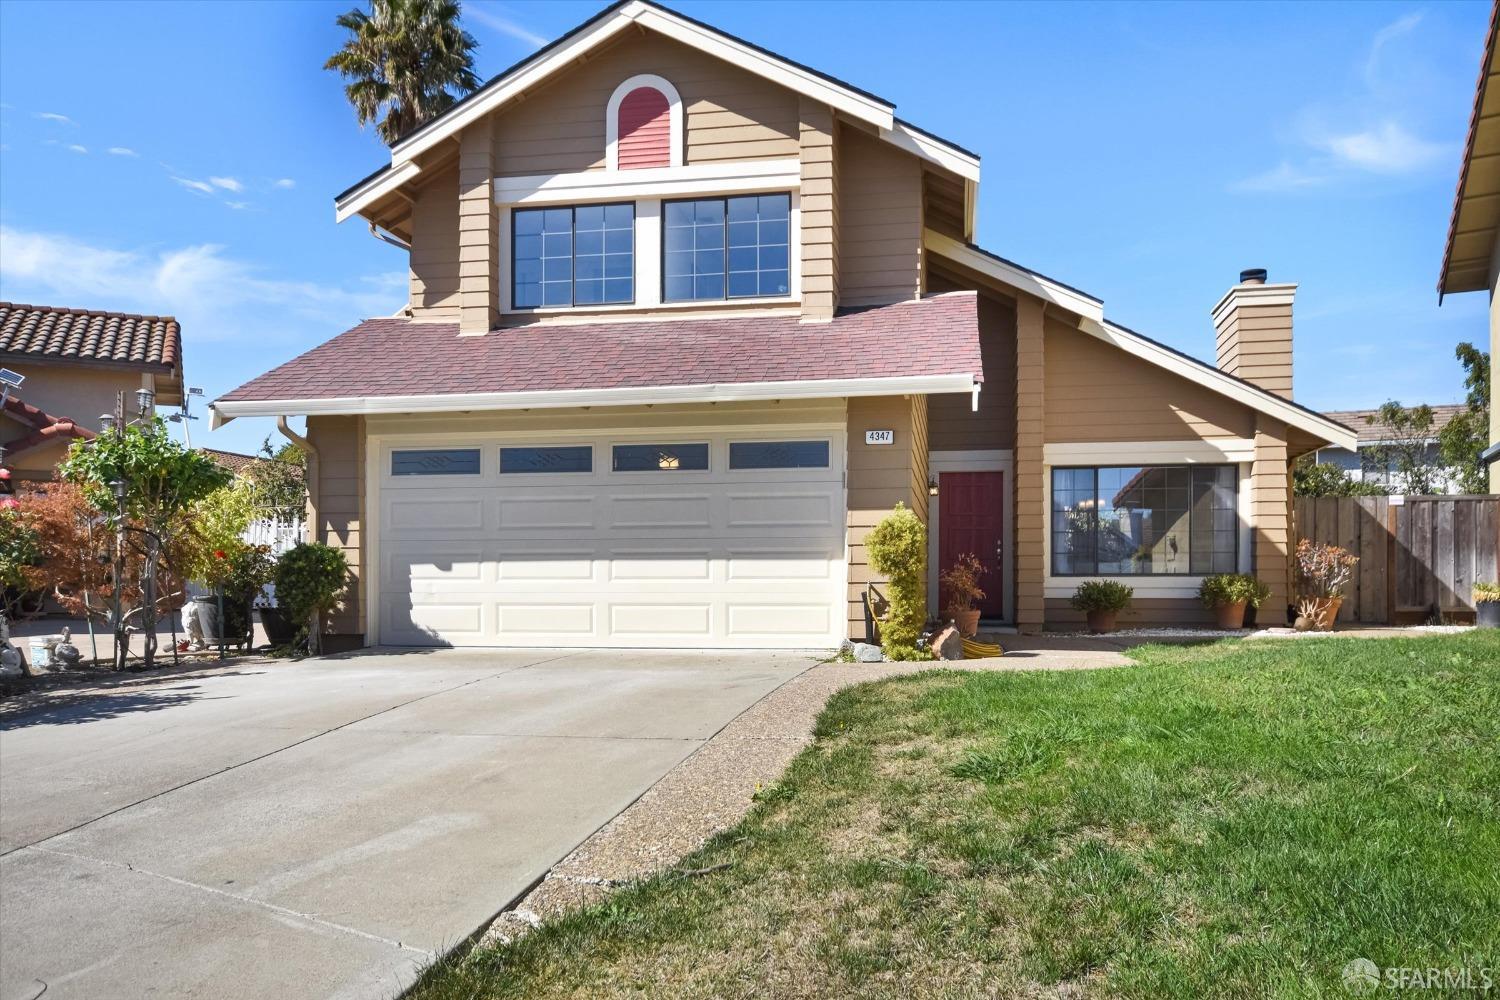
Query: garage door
<point>676,539</point>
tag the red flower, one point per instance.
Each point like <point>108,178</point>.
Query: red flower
<point>218,553</point>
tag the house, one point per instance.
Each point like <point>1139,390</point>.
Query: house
<point>1366,463</point>
<point>76,362</point>
<point>1471,257</point>
<point>687,318</point>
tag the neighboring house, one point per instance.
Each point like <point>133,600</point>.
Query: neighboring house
<point>281,532</point>
<point>1366,464</point>
<point>76,361</point>
<point>232,461</point>
<point>687,318</point>
<point>1471,259</point>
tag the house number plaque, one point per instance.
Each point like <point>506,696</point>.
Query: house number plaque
<point>880,437</point>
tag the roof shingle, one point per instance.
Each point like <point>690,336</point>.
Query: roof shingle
<point>937,335</point>
<point>1366,423</point>
<point>51,332</point>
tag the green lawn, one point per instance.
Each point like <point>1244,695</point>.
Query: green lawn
<point>1228,820</point>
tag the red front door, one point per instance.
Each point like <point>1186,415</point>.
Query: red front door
<point>970,507</point>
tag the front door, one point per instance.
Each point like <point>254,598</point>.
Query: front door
<point>970,505</point>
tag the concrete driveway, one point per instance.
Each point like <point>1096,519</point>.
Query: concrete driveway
<point>322,829</point>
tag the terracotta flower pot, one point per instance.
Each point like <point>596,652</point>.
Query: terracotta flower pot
<point>967,622</point>
<point>1102,621</point>
<point>1230,616</point>
<point>1327,613</point>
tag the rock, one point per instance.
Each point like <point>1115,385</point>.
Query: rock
<point>846,649</point>
<point>948,644</point>
<point>866,653</point>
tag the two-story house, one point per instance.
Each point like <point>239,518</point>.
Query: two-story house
<point>687,318</point>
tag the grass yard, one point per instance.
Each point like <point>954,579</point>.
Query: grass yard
<point>1233,820</point>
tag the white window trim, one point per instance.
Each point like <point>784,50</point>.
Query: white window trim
<point>997,460</point>
<point>648,255</point>
<point>675,141</point>
<point>651,182</point>
<point>1204,451</point>
<point>1141,453</point>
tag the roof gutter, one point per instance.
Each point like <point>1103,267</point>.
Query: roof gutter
<point>389,237</point>
<point>225,410</point>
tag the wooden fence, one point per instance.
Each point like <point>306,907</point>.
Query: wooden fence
<point>1418,556</point>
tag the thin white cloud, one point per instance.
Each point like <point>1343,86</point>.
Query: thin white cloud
<point>227,183</point>
<point>53,116</point>
<point>1284,177</point>
<point>75,148</point>
<point>202,187</point>
<point>214,295</point>
<point>238,206</point>
<point>286,183</point>
<point>121,151</point>
<point>505,26</point>
<point>1401,26</point>
<point>1387,148</point>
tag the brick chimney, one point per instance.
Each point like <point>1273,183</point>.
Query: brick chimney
<point>1254,325</point>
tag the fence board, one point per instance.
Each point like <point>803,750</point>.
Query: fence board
<point>1372,552</point>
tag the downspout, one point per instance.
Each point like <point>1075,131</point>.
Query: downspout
<point>312,472</point>
<point>390,238</point>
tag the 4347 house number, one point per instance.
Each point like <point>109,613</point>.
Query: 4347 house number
<point>880,437</point>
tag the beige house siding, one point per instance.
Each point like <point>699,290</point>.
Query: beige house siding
<point>1143,612</point>
<point>1270,500</point>
<point>954,425</point>
<point>1256,345</point>
<point>819,210</point>
<point>1033,392</point>
<point>340,446</point>
<point>880,221</point>
<point>1096,392</point>
<point>880,476</point>
<point>478,231</point>
<point>730,114</point>
<point>434,248</point>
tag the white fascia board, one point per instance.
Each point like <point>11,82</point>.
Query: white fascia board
<point>1042,288</point>
<point>932,150</point>
<point>852,103</point>
<point>917,385</point>
<point>362,198</point>
<point>1203,451</point>
<point>652,182</point>
<point>1257,399</point>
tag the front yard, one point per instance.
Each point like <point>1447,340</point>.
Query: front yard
<point>1226,820</point>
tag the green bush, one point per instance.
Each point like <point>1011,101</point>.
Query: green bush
<point>1101,595</point>
<point>1223,589</point>
<point>310,579</point>
<point>897,548</point>
<point>1486,593</point>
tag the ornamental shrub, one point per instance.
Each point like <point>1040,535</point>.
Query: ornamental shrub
<point>897,548</point>
<point>1101,595</point>
<point>1223,589</point>
<point>310,579</point>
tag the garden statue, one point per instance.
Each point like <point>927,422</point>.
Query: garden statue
<point>65,652</point>
<point>201,620</point>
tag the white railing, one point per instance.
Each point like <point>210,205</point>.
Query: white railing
<point>279,533</point>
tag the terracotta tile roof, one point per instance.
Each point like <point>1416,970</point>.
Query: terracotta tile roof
<point>54,333</point>
<point>45,428</point>
<point>231,460</point>
<point>937,335</point>
<point>1366,424</point>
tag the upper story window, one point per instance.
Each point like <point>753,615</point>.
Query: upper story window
<point>726,248</point>
<point>583,255</point>
<point>643,124</point>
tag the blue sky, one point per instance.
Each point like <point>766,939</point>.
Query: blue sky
<point>182,158</point>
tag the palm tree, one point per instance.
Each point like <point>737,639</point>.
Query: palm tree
<point>404,58</point>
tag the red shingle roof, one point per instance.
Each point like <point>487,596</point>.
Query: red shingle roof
<point>45,428</point>
<point>50,332</point>
<point>937,335</point>
<point>234,461</point>
<point>1366,423</point>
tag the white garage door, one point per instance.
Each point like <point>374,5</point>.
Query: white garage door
<point>706,540</point>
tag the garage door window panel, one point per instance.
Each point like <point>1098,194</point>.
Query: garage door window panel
<point>744,455</point>
<point>435,462</point>
<point>542,459</point>
<point>660,458</point>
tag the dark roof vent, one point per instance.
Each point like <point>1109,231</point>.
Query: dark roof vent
<point>1253,276</point>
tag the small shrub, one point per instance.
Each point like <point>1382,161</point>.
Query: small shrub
<point>310,579</point>
<point>1223,589</point>
<point>897,548</point>
<point>961,583</point>
<point>1322,570</point>
<point>1101,595</point>
<point>1486,593</point>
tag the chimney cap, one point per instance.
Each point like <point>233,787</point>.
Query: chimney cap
<point>1253,276</point>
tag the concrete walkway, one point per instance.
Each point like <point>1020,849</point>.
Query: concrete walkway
<point>321,829</point>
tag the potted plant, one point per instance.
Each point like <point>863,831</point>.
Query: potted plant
<point>1230,595</point>
<point>1487,605</point>
<point>1101,601</point>
<point>960,585</point>
<point>1322,571</point>
<point>310,581</point>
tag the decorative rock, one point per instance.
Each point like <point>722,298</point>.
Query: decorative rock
<point>866,653</point>
<point>846,648</point>
<point>948,644</point>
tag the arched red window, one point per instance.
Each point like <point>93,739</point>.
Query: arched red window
<point>645,130</point>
